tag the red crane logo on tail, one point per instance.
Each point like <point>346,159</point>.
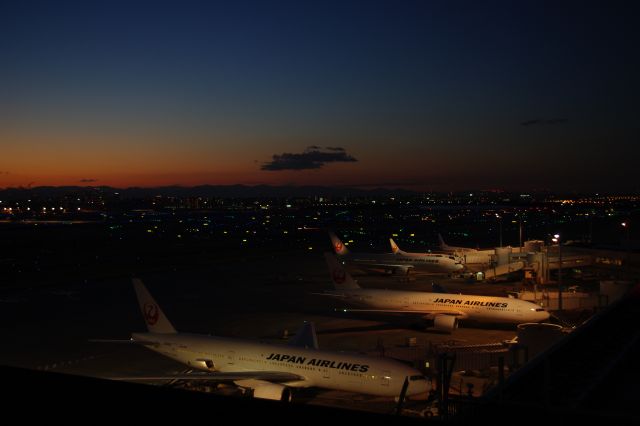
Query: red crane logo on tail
<point>339,246</point>
<point>338,276</point>
<point>151,314</point>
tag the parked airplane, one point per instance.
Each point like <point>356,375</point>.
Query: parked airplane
<point>444,309</point>
<point>399,262</point>
<point>474,260</point>
<point>269,370</point>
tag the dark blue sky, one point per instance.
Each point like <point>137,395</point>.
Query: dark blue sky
<point>423,94</point>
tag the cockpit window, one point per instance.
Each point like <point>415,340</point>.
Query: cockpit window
<point>539,310</point>
<point>414,378</point>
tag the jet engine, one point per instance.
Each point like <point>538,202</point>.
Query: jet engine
<point>446,323</point>
<point>272,391</point>
<point>401,270</point>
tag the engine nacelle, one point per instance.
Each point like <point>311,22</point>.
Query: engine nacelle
<point>272,391</point>
<point>402,270</point>
<point>446,323</point>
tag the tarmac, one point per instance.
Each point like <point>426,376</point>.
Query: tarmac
<point>254,297</point>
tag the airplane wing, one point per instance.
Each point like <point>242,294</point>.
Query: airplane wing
<point>270,376</point>
<point>395,268</point>
<point>338,295</point>
<point>428,314</point>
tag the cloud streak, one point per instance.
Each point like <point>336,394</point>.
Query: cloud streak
<point>314,157</point>
<point>538,121</point>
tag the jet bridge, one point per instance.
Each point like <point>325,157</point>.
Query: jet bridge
<point>505,269</point>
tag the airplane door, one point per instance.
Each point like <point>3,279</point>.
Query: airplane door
<point>231,358</point>
<point>384,378</point>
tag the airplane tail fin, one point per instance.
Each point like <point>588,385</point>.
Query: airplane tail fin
<point>441,241</point>
<point>155,319</point>
<point>338,246</point>
<point>394,247</point>
<point>339,276</point>
<point>305,337</point>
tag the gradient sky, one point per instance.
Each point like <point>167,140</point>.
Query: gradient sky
<point>424,94</point>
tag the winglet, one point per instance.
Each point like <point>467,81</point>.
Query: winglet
<point>339,276</point>
<point>155,319</point>
<point>305,337</point>
<point>338,246</point>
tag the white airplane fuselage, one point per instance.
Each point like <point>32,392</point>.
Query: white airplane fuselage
<point>478,308</point>
<point>320,368</point>
<point>436,263</point>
